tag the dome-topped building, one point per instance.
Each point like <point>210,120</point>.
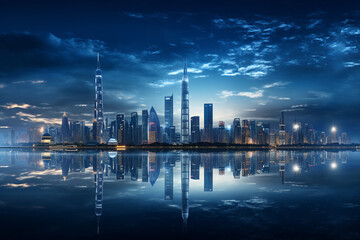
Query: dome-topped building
<point>112,141</point>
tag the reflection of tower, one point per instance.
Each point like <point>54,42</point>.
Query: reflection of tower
<point>144,165</point>
<point>185,107</point>
<point>185,189</point>
<point>120,170</point>
<point>154,165</point>
<point>169,178</point>
<point>245,164</point>
<point>99,176</point>
<point>282,166</point>
<point>195,166</point>
<point>237,165</point>
<point>208,172</point>
<point>65,166</point>
<point>133,168</point>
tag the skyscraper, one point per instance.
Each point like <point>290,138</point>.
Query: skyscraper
<point>236,131</point>
<point>98,110</point>
<point>208,122</point>
<point>65,128</point>
<point>185,107</point>
<point>145,126</point>
<point>195,129</point>
<point>245,132</point>
<point>120,128</point>
<point>282,134</point>
<point>221,132</point>
<point>154,127</point>
<point>134,128</point>
<point>169,112</point>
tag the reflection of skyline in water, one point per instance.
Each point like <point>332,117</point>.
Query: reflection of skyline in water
<point>148,167</point>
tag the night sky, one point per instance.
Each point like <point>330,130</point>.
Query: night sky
<point>251,59</point>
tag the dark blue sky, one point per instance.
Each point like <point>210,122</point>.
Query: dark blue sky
<point>252,59</point>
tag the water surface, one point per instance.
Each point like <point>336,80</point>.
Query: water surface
<point>179,194</point>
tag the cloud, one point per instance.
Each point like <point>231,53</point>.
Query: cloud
<point>2,85</point>
<point>190,70</point>
<point>27,117</point>
<point>201,76</point>
<point>125,96</point>
<point>351,64</point>
<point>318,95</point>
<point>276,84</point>
<point>314,23</point>
<point>15,105</point>
<point>279,98</point>
<point>134,15</point>
<point>294,108</point>
<point>145,16</point>
<point>30,81</point>
<point>164,83</point>
<point>230,72</point>
<point>256,94</point>
<point>209,66</point>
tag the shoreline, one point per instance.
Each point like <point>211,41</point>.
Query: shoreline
<point>185,147</point>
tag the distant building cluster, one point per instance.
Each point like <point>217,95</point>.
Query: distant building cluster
<point>147,129</point>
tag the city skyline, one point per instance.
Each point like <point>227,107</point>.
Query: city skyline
<point>248,67</point>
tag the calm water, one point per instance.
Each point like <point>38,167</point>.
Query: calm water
<point>175,195</point>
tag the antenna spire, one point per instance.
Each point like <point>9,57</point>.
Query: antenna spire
<point>185,66</point>
<point>98,60</point>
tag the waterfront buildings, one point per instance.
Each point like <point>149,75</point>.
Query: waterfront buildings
<point>154,127</point>
<point>208,122</point>
<point>195,129</point>
<point>98,122</point>
<point>185,107</point>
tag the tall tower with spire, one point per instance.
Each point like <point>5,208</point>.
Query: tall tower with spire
<point>185,106</point>
<point>98,110</point>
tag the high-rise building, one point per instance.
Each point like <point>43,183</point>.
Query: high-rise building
<point>65,128</point>
<point>169,113</point>
<point>98,110</point>
<point>145,126</point>
<point>282,134</point>
<point>120,129</point>
<point>253,129</point>
<point>221,132</point>
<point>185,107</point>
<point>245,132</point>
<point>236,131</point>
<point>134,128</point>
<point>172,134</point>
<point>195,129</point>
<point>154,127</point>
<point>208,122</point>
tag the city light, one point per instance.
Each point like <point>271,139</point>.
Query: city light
<point>333,165</point>
<point>41,130</point>
<point>333,129</point>
<point>296,168</point>
<point>296,127</point>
